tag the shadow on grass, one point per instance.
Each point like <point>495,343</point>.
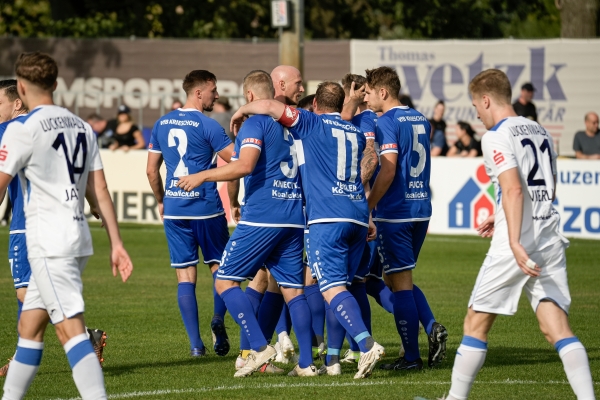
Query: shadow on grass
<point>123,369</point>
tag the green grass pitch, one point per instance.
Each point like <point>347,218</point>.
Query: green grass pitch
<point>147,355</point>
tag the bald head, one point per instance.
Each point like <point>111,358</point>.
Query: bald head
<point>287,81</point>
<point>591,123</point>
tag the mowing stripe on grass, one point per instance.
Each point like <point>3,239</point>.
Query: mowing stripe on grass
<point>316,385</point>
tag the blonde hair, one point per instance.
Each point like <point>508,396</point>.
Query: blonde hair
<point>494,83</point>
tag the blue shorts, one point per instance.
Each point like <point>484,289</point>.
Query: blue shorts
<point>400,244</point>
<point>307,251</point>
<point>185,235</point>
<point>367,259</point>
<point>336,250</point>
<point>17,257</point>
<point>252,247</point>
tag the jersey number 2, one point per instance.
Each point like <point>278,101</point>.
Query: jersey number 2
<point>180,134</point>
<point>531,181</point>
<point>81,145</point>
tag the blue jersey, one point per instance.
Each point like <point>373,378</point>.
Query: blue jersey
<point>406,132</point>
<point>17,222</point>
<point>329,152</point>
<point>273,195</point>
<point>189,142</point>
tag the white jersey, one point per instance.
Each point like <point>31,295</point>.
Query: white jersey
<point>53,151</point>
<point>518,142</point>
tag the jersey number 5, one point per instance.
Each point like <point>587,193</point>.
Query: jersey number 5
<point>420,149</point>
<point>81,145</point>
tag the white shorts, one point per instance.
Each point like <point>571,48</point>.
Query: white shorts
<point>56,286</point>
<point>501,281</point>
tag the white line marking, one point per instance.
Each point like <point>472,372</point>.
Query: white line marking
<point>315,384</point>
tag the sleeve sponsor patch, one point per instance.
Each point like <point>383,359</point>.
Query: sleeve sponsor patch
<point>256,142</point>
<point>370,135</point>
<point>150,146</point>
<point>3,153</point>
<point>289,117</point>
<point>498,157</point>
<point>389,146</point>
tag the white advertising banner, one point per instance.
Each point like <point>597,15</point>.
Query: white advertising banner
<point>463,196</point>
<point>563,72</point>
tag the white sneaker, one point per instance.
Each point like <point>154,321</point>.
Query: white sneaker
<point>335,369</point>
<point>239,363</point>
<point>368,360</point>
<point>285,350</point>
<point>255,361</point>
<point>350,357</point>
<point>311,370</point>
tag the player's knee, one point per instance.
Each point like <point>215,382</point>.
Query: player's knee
<point>222,285</point>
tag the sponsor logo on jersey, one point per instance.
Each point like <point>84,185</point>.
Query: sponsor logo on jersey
<point>150,146</point>
<point>3,153</point>
<point>498,157</point>
<point>257,142</point>
<point>388,146</point>
<point>473,203</point>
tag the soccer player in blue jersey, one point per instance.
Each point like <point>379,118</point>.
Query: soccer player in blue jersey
<point>270,231</point>
<point>403,199</point>
<point>329,152</point>
<point>188,142</point>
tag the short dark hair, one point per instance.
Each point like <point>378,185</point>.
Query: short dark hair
<point>359,81</point>
<point>494,83</point>
<point>330,96</point>
<point>306,102</point>
<point>466,127</point>
<point>441,102</point>
<point>37,68</point>
<point>10,89</point>
<point>94,117</point>
<point>198,77</point>
<point>260,81</point>
<point>384,77</point>
<point>406,101</point>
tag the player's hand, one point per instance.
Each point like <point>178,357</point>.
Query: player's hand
<point>96,214</point>
<point>189,182</point>
<point>236,121</point>
<point>161,211</point>
<point>372,232</point>
<point>120,261</point>
<point>236,213</point>
<point>522,257</point>
<point>357,95</point>
<point>486,228</point>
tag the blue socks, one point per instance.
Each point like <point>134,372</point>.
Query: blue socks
<point>285,321</point>
<point>255,298</point>
<point>406,317</point>
<point>219,306</point>
<point>346,310</point>
<point>425,313</point>
<point>241,310</point>
<point>359,291</point>
<point>377,289</point>
<point>317,309</point>
<point>186,296</point>
<point>272,304</point>
<point>335,336</point>
<point>300,314</point>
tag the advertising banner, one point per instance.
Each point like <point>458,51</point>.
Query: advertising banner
<point>463,196</point>
<point>562,71</point>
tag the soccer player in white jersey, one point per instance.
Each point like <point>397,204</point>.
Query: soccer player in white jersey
<point>270,232</point>
<point>527,252</point>
<point>336,209</point>
<point>188,142</point>
<point>56,156</point>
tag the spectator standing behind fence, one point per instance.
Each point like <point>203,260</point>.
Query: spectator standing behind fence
<point>466,144</point>
<point>127,134</point>
<point>523,106</point>
<point>587,143</point>
<point>222,114</point>
<point>103,129</point>
<point>439,146</point>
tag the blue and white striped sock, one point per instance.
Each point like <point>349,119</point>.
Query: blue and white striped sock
<point>470,357</point>
<point>87,372</point>
<point>23,368</point>
<point>577,367</point>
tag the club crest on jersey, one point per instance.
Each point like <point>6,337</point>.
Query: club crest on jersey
<point>498,157</point>
<point>473,203</point>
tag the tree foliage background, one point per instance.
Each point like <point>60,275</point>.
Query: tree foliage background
<point>332,19</point>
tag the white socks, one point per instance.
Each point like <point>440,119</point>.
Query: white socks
<point>22,369</point>
<point>575,361</point>
<point>87,372</point>
<point>470,357</point>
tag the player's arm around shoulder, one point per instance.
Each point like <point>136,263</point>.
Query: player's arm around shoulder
<point>273,108</point>
<point>98,190</point>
